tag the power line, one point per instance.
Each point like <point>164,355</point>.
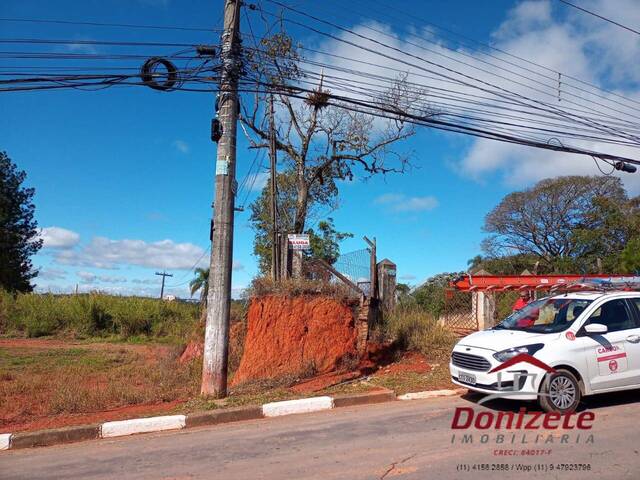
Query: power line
<point>92,42</point>
<point>492,68</point>
<point>103,24</point>
<point>487,86</point>
<point>600,17</point>
<point>192,269</point>
<point>468,41</point>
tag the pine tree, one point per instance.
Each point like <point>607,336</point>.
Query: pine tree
<point>18,229</point>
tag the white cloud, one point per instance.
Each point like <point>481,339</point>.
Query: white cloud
<point>181,146</point>
<point>147,281</point>
<point>399,202</point>
<point>408,277</point>
<point>58,237</point>
<point>594,51</point>
<point>237,266</point>
<point>540,31</point>
<point>103,252</point>
<point>88,277</point>
<point>51,274</point>
<point>81,47</point>
<point>260,181</point>
<point>387,198</point>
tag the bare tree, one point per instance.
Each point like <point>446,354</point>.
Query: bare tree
<point>322,137</point>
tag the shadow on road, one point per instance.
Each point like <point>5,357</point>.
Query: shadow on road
<point>593,402</point>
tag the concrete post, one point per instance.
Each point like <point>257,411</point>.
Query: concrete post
<point>483,306</point>
<point>387,284</point>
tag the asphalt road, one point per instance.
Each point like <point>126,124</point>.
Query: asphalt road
<point>405,440</point>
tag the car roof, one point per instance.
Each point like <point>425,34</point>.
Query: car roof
<point>594,294</point>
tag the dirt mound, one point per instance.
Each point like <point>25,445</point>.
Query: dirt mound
<point>296,336</point>
<point>195,348</point>
<point>192,351</point>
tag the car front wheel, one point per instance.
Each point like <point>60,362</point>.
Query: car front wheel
<point>560,392</point>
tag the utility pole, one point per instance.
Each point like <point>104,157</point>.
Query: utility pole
<point>275,257</point>
<point>216,338</point>
<point>163,275</point>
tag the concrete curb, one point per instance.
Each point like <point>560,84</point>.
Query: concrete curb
<point>379,396</point>
<point>214,417</point>
<point>431,394</point>
<point>5,440</point>
<point>56,436</point>
<point>303,405</point>
<point>142,425</point>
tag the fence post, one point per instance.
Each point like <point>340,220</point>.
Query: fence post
<point>483,305</point>
<point>296,263</point>
<point>387,283</point>
<point>285,257</point>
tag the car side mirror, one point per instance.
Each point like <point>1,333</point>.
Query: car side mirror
<point>596,328</point>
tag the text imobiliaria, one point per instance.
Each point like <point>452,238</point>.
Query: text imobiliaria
<point>523,427</point>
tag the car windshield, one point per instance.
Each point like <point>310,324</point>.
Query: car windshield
<point>547,315</point>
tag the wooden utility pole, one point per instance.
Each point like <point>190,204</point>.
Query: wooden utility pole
<point>163,275</point>
<point>275,250</point>
<point>216,339</point>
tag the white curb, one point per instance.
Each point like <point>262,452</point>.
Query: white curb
<point>304,405</point>
<point>428,394</point>
<point>142,425</point>
<point>5,438</point>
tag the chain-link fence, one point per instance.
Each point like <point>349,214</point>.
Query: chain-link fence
<point>463,311</point>
<point>356,266</point>
<point>459,311</point>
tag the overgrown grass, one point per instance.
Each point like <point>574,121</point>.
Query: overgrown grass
<point>42,382</point>
<point>411,328</point>
<point>95,315</point>
<point>291,287</point>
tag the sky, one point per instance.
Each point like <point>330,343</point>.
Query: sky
<point>124,176</point>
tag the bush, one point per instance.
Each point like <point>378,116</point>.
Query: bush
<point>295,287</point>
<point>95,314</point>
<point>412,328</point>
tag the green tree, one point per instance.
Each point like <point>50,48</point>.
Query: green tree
<point>18,229</point>
<point>430,296</point>
<point>324,242</point>
<point>551,220</point>
<point>630,257</point>
<point>200,282</point>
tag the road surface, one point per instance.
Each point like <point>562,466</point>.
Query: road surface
<point>396,440</point>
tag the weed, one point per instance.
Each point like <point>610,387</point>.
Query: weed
<point>414,329</point>
<point>96,315</point>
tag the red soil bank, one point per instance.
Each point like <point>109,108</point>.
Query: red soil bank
<point>288,336</point>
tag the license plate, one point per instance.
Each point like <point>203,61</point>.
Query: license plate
<point>467,378</point>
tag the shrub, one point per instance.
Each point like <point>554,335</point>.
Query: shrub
<point>412,328</point>
<point>95,314</point>
<point>292,287</point>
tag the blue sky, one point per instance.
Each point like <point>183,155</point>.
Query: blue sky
<point>124,176</point>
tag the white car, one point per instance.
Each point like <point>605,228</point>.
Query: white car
<point>591,340</point>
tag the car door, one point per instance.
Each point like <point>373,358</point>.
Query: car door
<point>612,358</point>
<point>633,340</point>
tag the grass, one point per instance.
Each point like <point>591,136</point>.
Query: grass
<point>45,382</point>
<point>263,286</point>
<point>95,315</point>
<point>46,379</point>
<point>411,328</point>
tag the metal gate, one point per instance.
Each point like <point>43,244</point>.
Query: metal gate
<point>460,311</point>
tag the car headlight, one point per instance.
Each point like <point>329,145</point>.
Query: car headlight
<point>509,353</point>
